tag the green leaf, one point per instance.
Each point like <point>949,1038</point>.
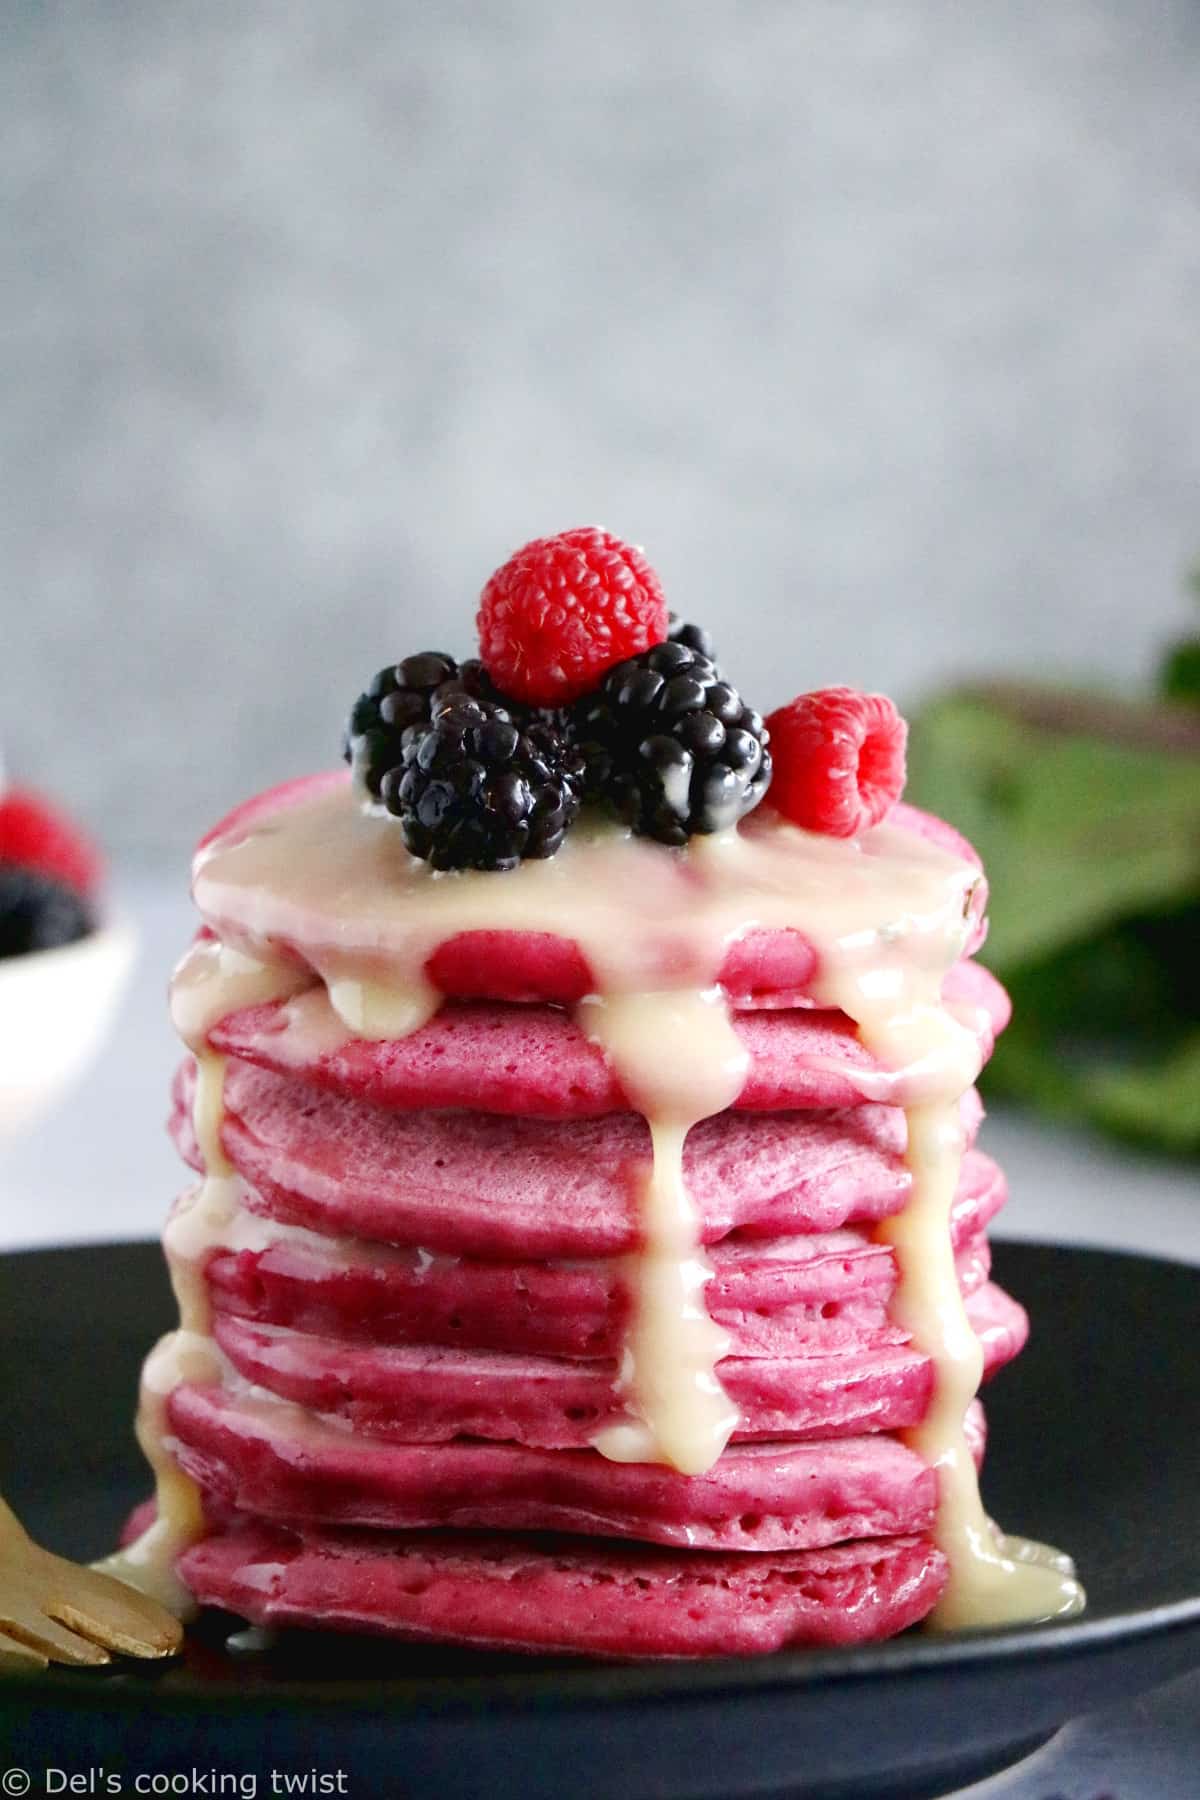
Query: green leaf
<point>1087,815</point>
<point>1180,678</point>
<point>1107,1032</point>
<point>1084,812</point>
<point>1161,1103</point>
<point>1180,675</point>
<point>1157,1104</point>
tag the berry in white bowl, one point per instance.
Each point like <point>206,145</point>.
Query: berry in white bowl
<point>63,963</point>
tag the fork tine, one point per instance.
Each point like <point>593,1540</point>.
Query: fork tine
<point>52,1609</point>
<point>18,1658</point>
<point>45,1637</point>
<point>117,1616</point>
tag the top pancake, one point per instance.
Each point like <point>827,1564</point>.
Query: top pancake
<point>309,917</point>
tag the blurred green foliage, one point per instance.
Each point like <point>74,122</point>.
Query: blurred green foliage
<point>1086,811</point>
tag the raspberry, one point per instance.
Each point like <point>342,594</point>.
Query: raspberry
<point>563,610</point>
<point>839,760</point>
<point>35,835</point>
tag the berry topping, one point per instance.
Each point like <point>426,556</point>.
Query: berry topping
<point>563,610</point>
<point>35,835</point>
<point>693,636</point>
<point>481,788</point>
<point>669,742</point>
<point>405,695</point>
<point>37,912</point>
<point>839,760</point>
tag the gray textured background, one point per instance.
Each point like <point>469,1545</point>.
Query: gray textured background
<point>876,324</point>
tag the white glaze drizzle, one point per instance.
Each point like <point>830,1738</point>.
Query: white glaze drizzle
<point>679,1060</point>
<point>212,981</point>
<point>888,914</point>
<point>993,1580</point>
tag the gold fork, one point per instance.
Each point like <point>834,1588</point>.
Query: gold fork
<point>52,1610</point>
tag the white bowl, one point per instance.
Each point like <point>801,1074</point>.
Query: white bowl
<point>56,1007</point>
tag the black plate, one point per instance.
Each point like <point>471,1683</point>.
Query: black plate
<point>1096,1447</point>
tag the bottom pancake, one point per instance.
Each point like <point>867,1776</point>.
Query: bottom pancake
<point>564,1595</point>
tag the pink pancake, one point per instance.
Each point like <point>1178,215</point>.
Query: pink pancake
<point>419,1394</point>
<point>387,1405</point>
<point>780,1296</point>
<point>495,1186</point>
<point>565,1595</point>
<point>277,1462</point>
<point>535,1061</point>
<point>764,968</point>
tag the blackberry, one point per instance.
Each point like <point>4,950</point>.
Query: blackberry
<point>693,637</point>
<point>480,787</point>
<point>670,743</point>
<point>38,913</point>
<point>402,696</point>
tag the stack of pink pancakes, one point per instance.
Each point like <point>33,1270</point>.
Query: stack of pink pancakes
<point>421,1308</point>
